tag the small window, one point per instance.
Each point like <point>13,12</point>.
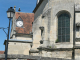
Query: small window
<point>77,28</point>
<point>42,29</point>
<point>41,32</point>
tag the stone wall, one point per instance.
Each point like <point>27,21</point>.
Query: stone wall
<point>77,1</point>
<point>47,16</point>
<point>37,23</point>
<point>23,37</point>
<point>77,54</point>
<point>58,54</point>
<point>18,48</point>
<point>25,57</point>
<point>77,18</point>
<point>58,7</point>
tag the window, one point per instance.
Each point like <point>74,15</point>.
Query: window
<point>64,28</point>
<point>77,29</point>
<point>42,29</point>
<point>41,32</point>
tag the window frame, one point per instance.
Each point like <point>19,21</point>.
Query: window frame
<point>65,27</point>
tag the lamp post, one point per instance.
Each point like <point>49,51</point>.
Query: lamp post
<point>10,14</point>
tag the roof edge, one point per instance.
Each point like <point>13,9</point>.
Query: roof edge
<point>20,41</point>
<point>25,12</point>
<point>37,6</point>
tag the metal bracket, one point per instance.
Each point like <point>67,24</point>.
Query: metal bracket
<point>4,30</point>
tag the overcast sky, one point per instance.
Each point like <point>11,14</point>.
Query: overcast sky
<point>26,6</point>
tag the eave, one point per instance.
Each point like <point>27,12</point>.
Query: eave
<point>37,6</point>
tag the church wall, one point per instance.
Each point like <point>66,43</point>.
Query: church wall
<point>77,18</point>
<point>36,33</point>
<point>77,1</point>
<point>57,54</point>
<point>57,7</point>
<point>46,16</point>
<point>37,23</point>
<point>22,37</point>
<point>18,48</point>
<point>77,54</point>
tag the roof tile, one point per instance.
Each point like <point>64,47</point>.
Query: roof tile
<point>27,18</point>
<point>1,52</point>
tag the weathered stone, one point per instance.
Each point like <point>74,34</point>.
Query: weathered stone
<point>22,57</point>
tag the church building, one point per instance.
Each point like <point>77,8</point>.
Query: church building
<point>52,30</point>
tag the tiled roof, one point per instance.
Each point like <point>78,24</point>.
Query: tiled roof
<point>27,18</point>
<point>1,52</point>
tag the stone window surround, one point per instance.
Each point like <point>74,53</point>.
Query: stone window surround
<point>65,43</point>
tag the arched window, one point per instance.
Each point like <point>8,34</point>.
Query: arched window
<point>64,28</point>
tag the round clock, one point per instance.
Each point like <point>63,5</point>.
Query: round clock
<point>19,23</point>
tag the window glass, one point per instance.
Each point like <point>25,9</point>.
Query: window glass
<point>63,38</point>
<point>67,31</point>
<point>59,33</point>
<point>59,23</point>
<point>63,31</point>
<point>67,38</point>
<point>77,28</point>
<point>64,28</point>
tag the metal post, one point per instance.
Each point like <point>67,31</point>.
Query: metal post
<point>6,50</point>
<point>73,52</point>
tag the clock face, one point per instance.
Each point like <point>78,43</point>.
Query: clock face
<point>19,23</point>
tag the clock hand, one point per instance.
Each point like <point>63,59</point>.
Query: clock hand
<point>20,23</point>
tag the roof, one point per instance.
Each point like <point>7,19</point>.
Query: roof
<point>1,52</point>
<point>37,6</point>
<point>27,18</point>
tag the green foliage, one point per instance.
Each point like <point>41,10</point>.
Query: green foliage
<point>49,46</point>
<point>57,40</point>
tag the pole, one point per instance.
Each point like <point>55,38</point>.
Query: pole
<point>6,50</point>
<point>73,52</point>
